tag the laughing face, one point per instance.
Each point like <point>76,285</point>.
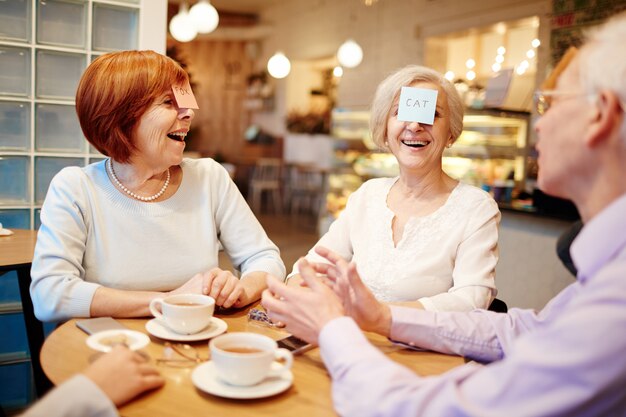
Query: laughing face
<point>161,131</point>
<point>418,146</point>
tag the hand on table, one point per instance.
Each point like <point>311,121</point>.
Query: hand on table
<point>123,374</point>
<point>222,285</point>
<point>358,301</point>
<point>304,312</point>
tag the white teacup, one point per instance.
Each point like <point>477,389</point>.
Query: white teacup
<point>246,359</point>
<point>184,313</point>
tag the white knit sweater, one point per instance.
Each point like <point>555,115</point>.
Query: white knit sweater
<point>92,234</point>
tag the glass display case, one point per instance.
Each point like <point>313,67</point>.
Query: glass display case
<point>492,153</point>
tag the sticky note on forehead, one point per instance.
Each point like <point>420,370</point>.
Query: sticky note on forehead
<point>184,96</point>
<point>417,105</point>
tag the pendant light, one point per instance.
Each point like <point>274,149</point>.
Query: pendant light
<point>181,26</point>
<point>204,16</point>
<point>350,54</point>
<point>278,65</point>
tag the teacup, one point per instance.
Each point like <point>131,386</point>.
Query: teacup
<point>184,313</point>
<point>245,359</point>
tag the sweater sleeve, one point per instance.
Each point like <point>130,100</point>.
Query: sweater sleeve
<point>57,288</point>
<point>475,264</point>
<point>243,237</point>
<point>77,397</point>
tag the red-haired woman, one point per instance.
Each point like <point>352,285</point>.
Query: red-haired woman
<point>143,222</point>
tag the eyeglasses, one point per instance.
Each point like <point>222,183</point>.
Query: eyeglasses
<point>543,99</point>
<point>187,355</point>
<point>260,317</point>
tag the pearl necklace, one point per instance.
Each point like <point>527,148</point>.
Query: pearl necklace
<point>130,193</point>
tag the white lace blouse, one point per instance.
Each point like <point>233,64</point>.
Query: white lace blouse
<point>446,260</point>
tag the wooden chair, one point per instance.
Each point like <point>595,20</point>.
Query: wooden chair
<point>266,177</point>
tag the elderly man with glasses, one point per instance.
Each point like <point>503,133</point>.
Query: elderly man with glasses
<point>566,360</point>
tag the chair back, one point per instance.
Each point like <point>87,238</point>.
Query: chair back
<point>498,306</point>
<point>267,171</point>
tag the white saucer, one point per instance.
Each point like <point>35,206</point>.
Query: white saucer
<point>105,340</point>
<point>156,328</point>
<point>5,232</point>
<point>205,378</point>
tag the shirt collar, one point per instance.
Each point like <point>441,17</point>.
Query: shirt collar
<point>600,239</point>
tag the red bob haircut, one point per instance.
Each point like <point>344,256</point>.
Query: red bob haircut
<point>114,92</point>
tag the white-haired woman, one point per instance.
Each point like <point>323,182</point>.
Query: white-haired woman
<point>421,238</point>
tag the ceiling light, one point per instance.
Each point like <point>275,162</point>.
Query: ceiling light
<point>535,43</point>
<point>499,59</point>
<point>204,16</point>
<point>350,54</point>
<point>501,50</point>
<point>278,65</point>
<point>449,75</point>
<point>530,54</point>
<point>496,67</point>
<point>470,63</point>
<point>522,67</point>
<point>470,75</point>
<point>338,71</point>
<point>181,26</point>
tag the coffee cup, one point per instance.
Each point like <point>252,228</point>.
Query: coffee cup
<point>246,359</point>
<point>184,313</point>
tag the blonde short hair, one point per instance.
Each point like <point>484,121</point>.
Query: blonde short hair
<point>389,90</point>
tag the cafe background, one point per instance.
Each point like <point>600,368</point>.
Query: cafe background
<point>496,51</point>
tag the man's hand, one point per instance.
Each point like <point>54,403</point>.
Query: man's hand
<point>358,301</point>
<point>123,374</point>
<point>304,312</point>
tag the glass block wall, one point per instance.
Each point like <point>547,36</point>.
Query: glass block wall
<point>44,48</point>
<point>45,45</point>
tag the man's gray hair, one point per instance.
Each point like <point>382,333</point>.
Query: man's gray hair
<point>603,60</point>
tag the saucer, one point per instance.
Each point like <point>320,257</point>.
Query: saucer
<point>156,328</point>
<point>205,378</point>
<point>105,340</point>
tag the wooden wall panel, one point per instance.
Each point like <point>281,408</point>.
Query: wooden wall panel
<point>219,70</point>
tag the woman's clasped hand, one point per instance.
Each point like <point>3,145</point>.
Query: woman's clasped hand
<point>226,288</point>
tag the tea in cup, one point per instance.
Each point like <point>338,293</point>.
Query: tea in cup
<point>246,359</point>
<point>184,313</point>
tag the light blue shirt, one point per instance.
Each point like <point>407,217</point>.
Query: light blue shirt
<point>567,360</point>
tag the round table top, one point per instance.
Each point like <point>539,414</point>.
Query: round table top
<point>65,353</point>
<point>18,248</point>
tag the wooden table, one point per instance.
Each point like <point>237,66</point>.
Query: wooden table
<point>16,254</point>
<point>64,353</point>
